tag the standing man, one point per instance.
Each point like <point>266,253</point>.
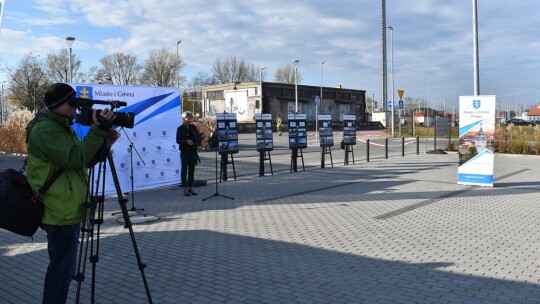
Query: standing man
<point>188,137</point>
<point>278,124</point>
<point>52,144</point>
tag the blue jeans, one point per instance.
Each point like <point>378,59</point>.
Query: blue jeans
<point>62,247</point>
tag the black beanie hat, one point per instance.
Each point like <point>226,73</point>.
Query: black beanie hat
<point>57,94</point>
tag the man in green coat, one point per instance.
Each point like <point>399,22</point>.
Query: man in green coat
<point>52,144</point>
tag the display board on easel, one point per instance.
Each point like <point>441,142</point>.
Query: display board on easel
<point>349,129</point>
<point>264,135</point>
<point>326,134</point>
<point>297,131</point>
<point>227,133</point>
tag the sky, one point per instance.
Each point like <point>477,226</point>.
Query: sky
<point>432,40</point>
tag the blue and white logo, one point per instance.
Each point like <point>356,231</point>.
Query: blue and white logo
<point>134,134</point>
<point>159,148</point>
<point>476,104</point>
<point>153,161</point>
<point>162,173</point>
<point>164,132</point>
<point>122,165</point>
<point>144,149</point>
<point>149,133</point>
<point>147,175</point>
<point>168,159</point>
<point>138,164</point>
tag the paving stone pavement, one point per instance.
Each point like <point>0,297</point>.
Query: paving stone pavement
<point>397,230</point>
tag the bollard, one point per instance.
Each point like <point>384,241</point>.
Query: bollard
<point>417,145</point>
<point>367,149</point>
<point>386,148</point>
<point>403,146</point>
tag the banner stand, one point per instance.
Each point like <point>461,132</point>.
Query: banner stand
<point>223,168</point>
<point>324,151</point>
<point>262,158</point>
<point>348,149</point>
<point>294,160</point>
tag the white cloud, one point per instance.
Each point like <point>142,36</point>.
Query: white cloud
<point>432,38</point>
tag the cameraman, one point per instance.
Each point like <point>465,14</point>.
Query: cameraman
<point>52,144</point>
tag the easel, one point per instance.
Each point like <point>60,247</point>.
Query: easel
<point>294,157</point>
<point>223,168</point>
<point>324,151</point>
<point>348,149</point>
<point>262,157</point>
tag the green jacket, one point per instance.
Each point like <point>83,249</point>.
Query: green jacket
<point>52,144</point>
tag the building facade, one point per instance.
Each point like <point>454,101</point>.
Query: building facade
<point>245,99</point>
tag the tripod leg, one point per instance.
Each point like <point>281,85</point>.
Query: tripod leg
<point>128,225</point>
<point>85,235</point>
<point>94,205</point>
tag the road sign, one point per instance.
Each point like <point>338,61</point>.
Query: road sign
<point>401,104</point>
<point>317,101</point>
<point>389,104</point>
<point>400,93</point>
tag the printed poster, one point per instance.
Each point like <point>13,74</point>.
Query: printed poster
<point>476,137</point>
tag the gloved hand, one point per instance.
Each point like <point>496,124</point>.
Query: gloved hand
<point>105,119</point>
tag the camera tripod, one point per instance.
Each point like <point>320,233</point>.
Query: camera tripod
<point>92,216</point>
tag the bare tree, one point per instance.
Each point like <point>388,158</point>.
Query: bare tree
<point>122,69</point>
<point>28,83</point>
<point>286,75</point>
<point>193,92</point>
<point>57,68</point>
<point>161,68</point>
<point>234,69</point>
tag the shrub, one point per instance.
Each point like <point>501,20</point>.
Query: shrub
<point>13,132</point>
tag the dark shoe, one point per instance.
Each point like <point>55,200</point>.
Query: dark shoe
<point>192,192</point>
<point>186,193</point>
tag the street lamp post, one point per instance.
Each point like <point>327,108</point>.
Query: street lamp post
<point>475,49</point>
<point>2,102</point>
<point>317,108</point>
<point>392,71</point>
<point>178,66</point>
<point>372,106</point>
<point>70,41</point>
<point>260,88</point>
<point>296,61</point>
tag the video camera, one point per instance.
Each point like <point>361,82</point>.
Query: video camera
<point>84,117</point>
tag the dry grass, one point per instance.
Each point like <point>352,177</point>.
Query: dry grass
<point>13,132</point>
<point>537,139</point>
<point>205,127</point>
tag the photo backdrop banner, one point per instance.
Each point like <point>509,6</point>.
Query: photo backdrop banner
<point>476,137</point>
<point>155,156</point>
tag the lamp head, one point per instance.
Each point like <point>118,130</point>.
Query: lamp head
<point>70,41</point>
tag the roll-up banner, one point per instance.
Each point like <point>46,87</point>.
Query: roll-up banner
<point>149,149</point>
<point>476,138</point>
